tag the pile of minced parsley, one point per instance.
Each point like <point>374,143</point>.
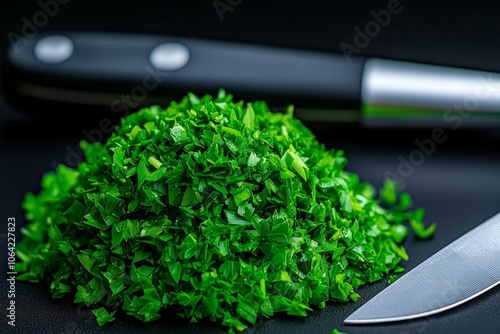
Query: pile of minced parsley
<point>214,209</point>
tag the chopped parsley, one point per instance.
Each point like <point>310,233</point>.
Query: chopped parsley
<point>212,209</point>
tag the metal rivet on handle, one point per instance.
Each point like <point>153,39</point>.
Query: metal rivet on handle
<point>169,56</point>
<point>54,49</point>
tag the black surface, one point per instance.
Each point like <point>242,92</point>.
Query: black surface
<point>457,184</point>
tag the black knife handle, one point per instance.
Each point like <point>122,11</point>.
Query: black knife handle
<point>95,68</point>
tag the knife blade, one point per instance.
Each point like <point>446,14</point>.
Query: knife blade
<point>122,72</point>
<point>459,272</point>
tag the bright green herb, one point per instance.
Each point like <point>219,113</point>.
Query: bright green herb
<point>212,209</point>
<point>419,228</point>
<point>392,279</point>
<point>336,331</point>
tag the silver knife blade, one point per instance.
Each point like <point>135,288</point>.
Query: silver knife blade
<point>464,269</point>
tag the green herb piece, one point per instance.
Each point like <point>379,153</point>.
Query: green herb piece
<point>418,226</point>
<point>336,331</point>
<point>214,209</point>
<point>392,279</point>
<point>389,192</point>
<point>102,316</point>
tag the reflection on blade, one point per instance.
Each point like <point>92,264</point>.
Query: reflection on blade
<point>464,269</point>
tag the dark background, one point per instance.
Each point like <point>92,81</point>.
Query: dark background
<point>457,185</point>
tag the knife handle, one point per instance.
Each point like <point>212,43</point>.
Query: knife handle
<point>97,68</point>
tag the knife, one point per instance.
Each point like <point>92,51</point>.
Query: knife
<point>125,71</point>
<point>459,272</point>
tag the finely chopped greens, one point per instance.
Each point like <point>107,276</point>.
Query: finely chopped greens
<point>214,209</point>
